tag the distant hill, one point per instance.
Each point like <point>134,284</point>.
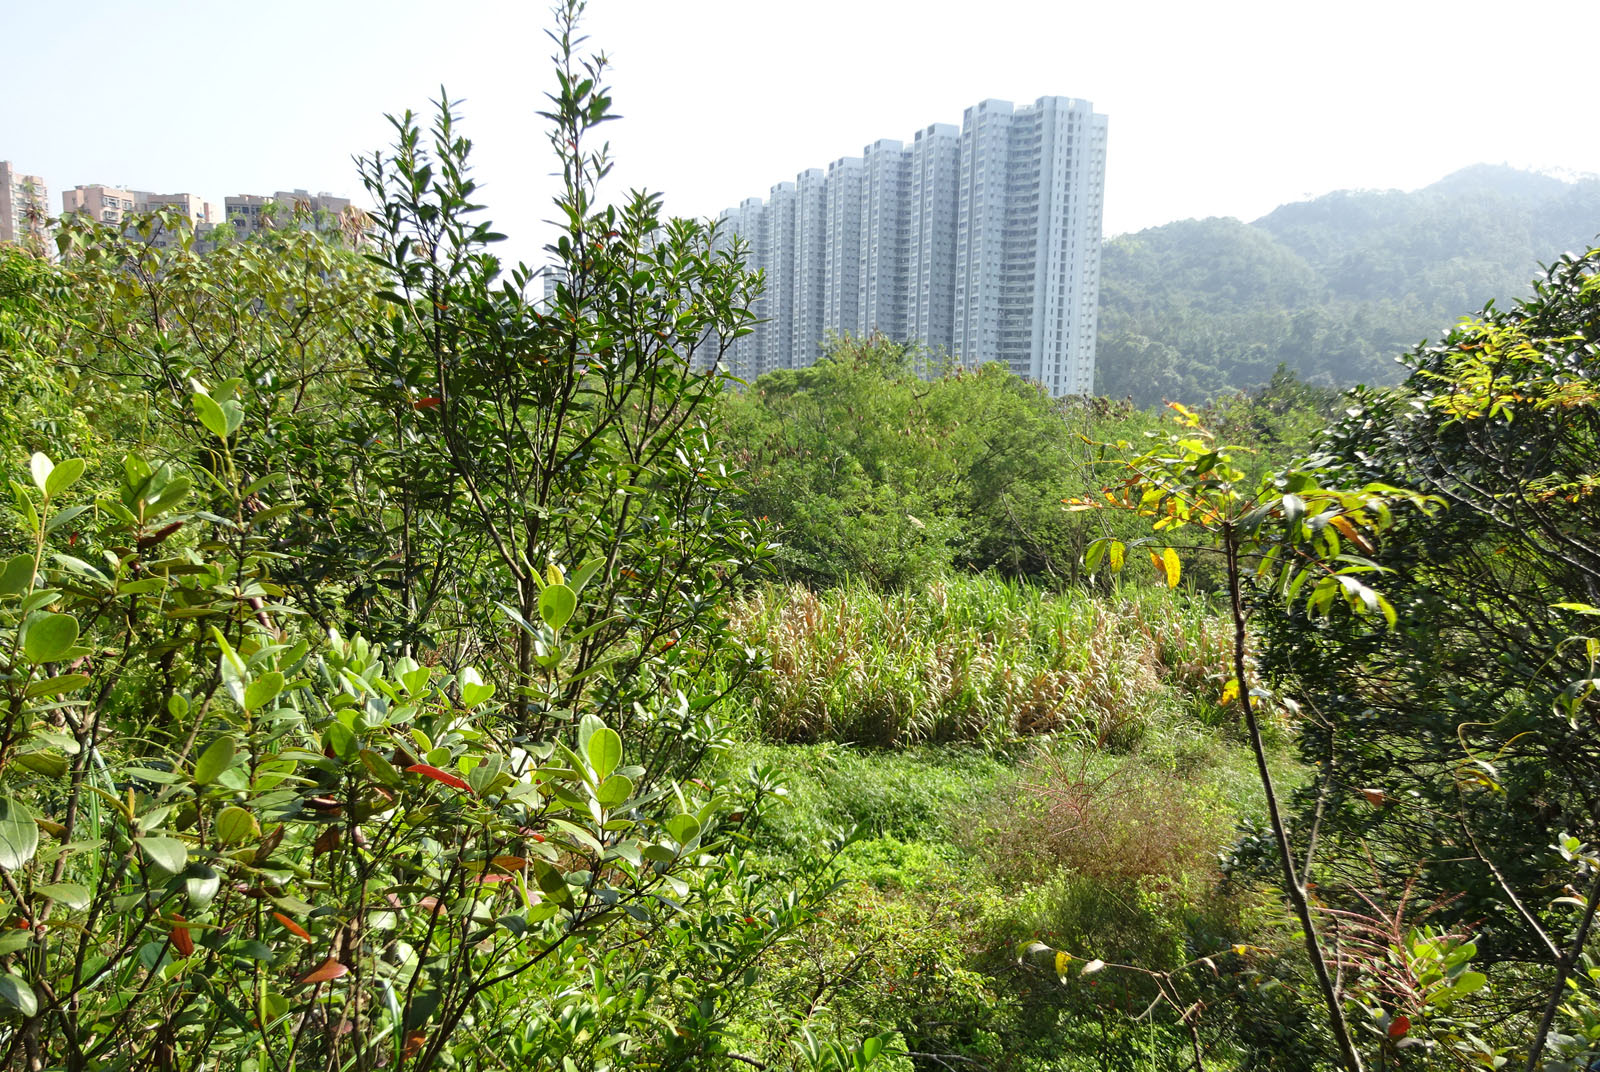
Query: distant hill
<point>1334,287</point>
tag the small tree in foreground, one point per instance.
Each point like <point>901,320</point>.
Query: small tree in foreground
<point>1304,542</point>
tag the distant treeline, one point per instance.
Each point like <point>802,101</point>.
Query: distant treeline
<point>1333,288</point>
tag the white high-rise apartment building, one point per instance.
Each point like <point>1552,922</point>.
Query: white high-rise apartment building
<point>842,260</point>
<point>24,206</point>
<point>982,242</point>
<point>810,269</point>
<point>1028,239</point>
<point>931,242</point>
<point>782,266</point>
<point>885,240</point>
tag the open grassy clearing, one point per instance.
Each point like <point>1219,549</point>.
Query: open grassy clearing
<point>1073,784</point>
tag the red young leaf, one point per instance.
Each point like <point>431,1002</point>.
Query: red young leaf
<point>1399,1026</point>
<point>437,775</point>
<point>426,403</point>
<point>291,926</point>
<point>327,971</point>
<point>181,941</point>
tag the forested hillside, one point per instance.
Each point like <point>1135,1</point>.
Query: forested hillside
<point>1333,288</point>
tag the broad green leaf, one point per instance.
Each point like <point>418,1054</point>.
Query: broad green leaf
<point>63,476</point>
<point>263,690</point>
<point>55,686</point>
<point>381,769</point>
<point>587,725</point>
<point>473,688</point>
<point>585,572</point>
<point>49,637</point>
<point>19,834</point>
<point>342,739</point>
<point>70,894</point>
<point>217,758</point>
<point>683,828</point>
<point>49,764</point>
<point>18,994</point>
<point>1091,558</point>
<point>211,415</point>
<point>605,751</point>
<point>200,886</point>
<point>557,603</point>
<point>614,790</point>
<point>17,576</point>
<point>416,680</point>
<point>235,825</point>
<point>168,854</point>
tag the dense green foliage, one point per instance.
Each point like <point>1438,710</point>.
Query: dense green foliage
<point>871,471</point>
<point>1462,749</point>
<point>1332,288</point>
<point>361,651</point>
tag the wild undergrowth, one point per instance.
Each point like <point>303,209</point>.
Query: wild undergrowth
<point>979,659</point>
<point>1009,765</point>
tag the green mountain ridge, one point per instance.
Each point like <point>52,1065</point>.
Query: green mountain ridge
<point>1333,288</point>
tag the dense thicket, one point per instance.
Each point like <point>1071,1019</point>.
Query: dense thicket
<point>1460,751</point>
<point>1332,288</point>
<point>362,641</point>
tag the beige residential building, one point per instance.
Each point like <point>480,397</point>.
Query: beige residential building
<point>196,208</point>
<point>103,204</point>
<point>111,205</point>
<point>24,206</point>
<point>251,214</point>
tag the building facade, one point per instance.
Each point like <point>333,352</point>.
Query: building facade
<point>251,214</point>
<point>885,233</point>
<point>981,244</point>
<point>24,207</point>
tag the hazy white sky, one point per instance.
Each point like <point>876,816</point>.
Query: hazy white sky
<point>1220,108</point>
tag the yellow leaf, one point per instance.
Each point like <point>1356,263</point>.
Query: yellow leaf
<point>1173,567</point>
<point>1230,693</point>
<point>1063,962</point>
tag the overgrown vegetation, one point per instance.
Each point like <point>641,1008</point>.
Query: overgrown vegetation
<point>397,672</point>
<point>975,659</point>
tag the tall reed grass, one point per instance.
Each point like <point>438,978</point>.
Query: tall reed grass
<point>976,658</point>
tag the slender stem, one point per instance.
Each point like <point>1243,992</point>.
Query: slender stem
<point>1297,893</point>
<point>1563,970</point>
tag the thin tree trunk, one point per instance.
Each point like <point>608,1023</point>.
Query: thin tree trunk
<point>1297,894</point>
<point>1563,970</point>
